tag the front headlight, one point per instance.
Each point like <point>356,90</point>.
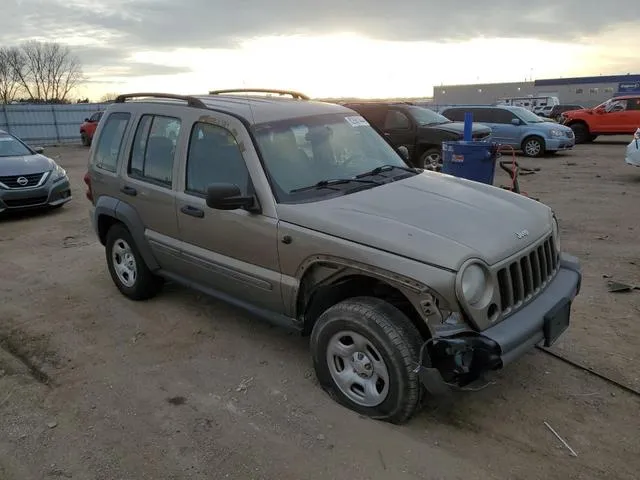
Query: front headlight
<point>58,173</point>
<point>473,283</point>
<point>556,234</point>
<point>557,133</point>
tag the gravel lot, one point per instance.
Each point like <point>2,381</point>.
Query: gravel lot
<point>93,386</point>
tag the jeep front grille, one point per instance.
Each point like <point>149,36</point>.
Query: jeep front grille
<point>524,278</point>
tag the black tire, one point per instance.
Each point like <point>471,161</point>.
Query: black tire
<point>146,284</point>
<point>592,138</point>
<point>86,141</point>
<point>533,147</point>
<point>581,132</point>
<point>395,338</point>
<point>431,159</point>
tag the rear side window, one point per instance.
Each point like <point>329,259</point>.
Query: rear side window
<point>493,115</point>
<point>633,104</point>
<point>110,141</point>
<point>153,149</point>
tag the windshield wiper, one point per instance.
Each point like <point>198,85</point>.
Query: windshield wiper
<point>384,168</point>
<point>331,183</point>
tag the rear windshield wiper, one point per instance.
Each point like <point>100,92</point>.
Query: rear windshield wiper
<point>384,168</point>
<point>331,183</point>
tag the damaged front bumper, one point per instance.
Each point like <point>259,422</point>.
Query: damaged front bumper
<point>461,359</point>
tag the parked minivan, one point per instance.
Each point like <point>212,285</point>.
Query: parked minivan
<point>518,127</point>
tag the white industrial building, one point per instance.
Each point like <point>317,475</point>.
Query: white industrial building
<point>586,91</point>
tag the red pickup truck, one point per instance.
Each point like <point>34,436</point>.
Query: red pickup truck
<point>88,128</point>
<point>616,116</point>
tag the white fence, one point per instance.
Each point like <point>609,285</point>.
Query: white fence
<point>45,125</point>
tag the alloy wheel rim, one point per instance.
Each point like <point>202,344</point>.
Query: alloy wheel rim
<point>124,263</point>
<point>357,368</point>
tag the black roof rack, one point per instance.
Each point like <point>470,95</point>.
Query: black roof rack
<point>296,95</point>
<point>191,101</point>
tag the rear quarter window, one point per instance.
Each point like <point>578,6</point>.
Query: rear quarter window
<point>110,142</point>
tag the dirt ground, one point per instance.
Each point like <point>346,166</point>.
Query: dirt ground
<point>93,386</point>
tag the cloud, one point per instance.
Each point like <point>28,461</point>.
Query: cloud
<point>106,37</point>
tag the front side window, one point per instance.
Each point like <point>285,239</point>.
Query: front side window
<point>110,141</point>
<point>12,147</point>
<point>396,121</point>
<point>526,115</point>
<point>153,149</point>
<point>425,116</point>
<point>306,151</point>
<point>214,157</point>
<point>615,106</point>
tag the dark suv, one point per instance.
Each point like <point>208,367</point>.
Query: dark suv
<point>557,110</point>
<point>419,129</point>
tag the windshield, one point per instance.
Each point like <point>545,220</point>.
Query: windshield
<point>11,147</point>
<point>302,152</point>
<point>527,115</point>
<point>424,116</point>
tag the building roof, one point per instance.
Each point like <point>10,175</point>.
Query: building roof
<point>587,80</point>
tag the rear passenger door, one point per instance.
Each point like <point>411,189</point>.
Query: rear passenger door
<point>233,252</point>
<point>148,181</point>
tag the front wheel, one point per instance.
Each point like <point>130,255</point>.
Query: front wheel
<point>86,141</point>
<point>432,159</point>
<point>533,147</point>
<point>364,353</point>
<point>581,133</point>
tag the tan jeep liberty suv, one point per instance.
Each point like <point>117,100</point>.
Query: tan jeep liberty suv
<point>408,282</point>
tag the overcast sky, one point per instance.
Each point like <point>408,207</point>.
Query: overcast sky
<point>333,47</point>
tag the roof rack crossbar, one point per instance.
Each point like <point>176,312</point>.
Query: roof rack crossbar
<point>191,101</point>
<point>294,94</point>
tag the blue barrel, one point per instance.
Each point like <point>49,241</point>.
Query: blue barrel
<point>471,160</point>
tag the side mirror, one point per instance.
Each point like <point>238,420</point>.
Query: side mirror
<point>404,151</point>
<point>227,196</point>
<point>38,149</point>
<point>515,121</point>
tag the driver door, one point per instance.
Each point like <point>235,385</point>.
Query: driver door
<point>613,118</point>
<point>400,130</point>
<point>232,252</point>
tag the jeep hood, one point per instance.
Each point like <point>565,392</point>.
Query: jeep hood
<point>431,217</point>
<point>24,165</point>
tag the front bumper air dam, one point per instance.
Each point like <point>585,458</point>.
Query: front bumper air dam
<point>466,356</point>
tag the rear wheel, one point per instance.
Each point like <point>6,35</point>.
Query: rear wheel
<point>533,147</point>
<point>581,132</point>
<point>431,159</point>
<point>86,141</point>
<point>364,353</point>
<point>127,267</point>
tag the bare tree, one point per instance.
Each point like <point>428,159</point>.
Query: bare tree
<point>108,97</point>
<point>46,71</point>
<point>9,81</point>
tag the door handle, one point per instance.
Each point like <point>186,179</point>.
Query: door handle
<point>192,211</point>
<point>127,190</point>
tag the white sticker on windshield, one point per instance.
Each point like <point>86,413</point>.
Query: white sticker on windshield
<point>356,121</point>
